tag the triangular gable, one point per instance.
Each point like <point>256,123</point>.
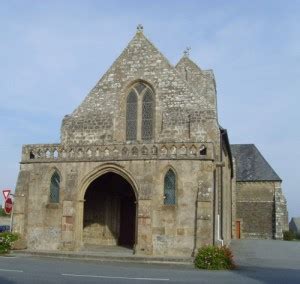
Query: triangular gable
<point>140,60</point>
<point>203,81</point>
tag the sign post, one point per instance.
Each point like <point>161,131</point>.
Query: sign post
<point>8,205</point>
<point>11,214</point>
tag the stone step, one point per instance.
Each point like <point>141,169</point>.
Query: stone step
<point>107,256</point>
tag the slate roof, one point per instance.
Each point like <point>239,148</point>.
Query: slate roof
<point>295,225</point>
<point>251,165</point>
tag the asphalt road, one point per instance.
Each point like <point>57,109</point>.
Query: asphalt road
<point>259,262</point>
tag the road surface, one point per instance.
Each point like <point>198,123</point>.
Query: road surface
<point>258,262</point>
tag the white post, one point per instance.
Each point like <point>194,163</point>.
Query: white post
<point>11,214</point>
<point>11,218</point>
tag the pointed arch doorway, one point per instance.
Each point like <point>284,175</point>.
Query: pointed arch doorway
<point>109,213</point>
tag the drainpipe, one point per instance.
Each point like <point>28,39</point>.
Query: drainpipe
<point>219,237</point>
<point>220,214</point>
<point>222,196</point>
<point>196,224</point>
<point>214,208</point>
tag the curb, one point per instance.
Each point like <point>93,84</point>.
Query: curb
<point>107,258</point>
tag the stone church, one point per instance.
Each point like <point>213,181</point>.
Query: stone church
<point>143,163</point>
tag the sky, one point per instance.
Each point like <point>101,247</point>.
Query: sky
<point>53,52</point>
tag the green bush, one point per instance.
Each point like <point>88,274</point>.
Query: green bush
<point>289,235</point>
<point>6,240</point>
<point>214,258</point>
<point>2,213</point>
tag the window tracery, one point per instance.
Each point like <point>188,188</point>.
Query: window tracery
<point>140,101</point>
<point>147,116</point>
<point>131,116</point>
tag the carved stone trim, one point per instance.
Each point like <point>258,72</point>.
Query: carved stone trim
<point>41,153</point>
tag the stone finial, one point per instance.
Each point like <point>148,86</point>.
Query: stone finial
<point>139,28</point>
<point>186,52</point>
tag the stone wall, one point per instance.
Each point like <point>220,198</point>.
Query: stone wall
<point>255,209</point>
<point>93,141</point>
<point>184,111</point>
<point>233,202</point>
<point>162,229</point>
<point>201,80</point>
<point>226,198</point>
<point>261,208</point>
<point>281,213</point>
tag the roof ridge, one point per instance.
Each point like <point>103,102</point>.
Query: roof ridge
<point>184,57</point>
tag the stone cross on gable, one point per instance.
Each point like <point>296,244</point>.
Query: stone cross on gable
<point>139,28</point>
<point>187,51</point>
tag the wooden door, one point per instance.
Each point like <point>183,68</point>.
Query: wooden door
<point>238,229</point>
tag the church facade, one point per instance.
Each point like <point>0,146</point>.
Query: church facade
<point>142,163</point>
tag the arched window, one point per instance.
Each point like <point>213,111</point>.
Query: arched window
<point>54,188</point>
<point>147,115</point>
<point>140,113</point>
<point>131,116</point>
<point>170,188</point>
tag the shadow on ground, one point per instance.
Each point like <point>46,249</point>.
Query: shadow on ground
<point>269,275</point>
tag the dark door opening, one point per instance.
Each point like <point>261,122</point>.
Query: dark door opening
<point>109,212</point>
<point>238,229</point>
<point>127,222</point>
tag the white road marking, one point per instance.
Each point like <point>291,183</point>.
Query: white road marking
<point>11,270</point>
<point>117,277</point>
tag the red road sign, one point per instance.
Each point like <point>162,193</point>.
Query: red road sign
<point>8,205</point>
<point>6,193</point>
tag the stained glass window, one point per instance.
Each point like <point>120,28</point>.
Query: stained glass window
<point>147,116</point>
<point>131,116</point>
<point>170,188</point>
<point>54,188</point>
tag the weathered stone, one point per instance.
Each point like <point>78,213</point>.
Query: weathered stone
<point>106,184</point>
<point>261,210</point>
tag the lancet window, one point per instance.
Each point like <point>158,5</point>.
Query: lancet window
<point>140,113</point>
<point>54,188</point>
<point>170,188</point>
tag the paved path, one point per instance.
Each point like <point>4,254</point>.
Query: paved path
<point>268,261</point>
<point>259,262</point>
<point>267,253</point>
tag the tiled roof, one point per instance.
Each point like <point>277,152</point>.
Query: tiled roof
<point>295,224</point>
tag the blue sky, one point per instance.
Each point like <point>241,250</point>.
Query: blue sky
<point>53,52</point>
